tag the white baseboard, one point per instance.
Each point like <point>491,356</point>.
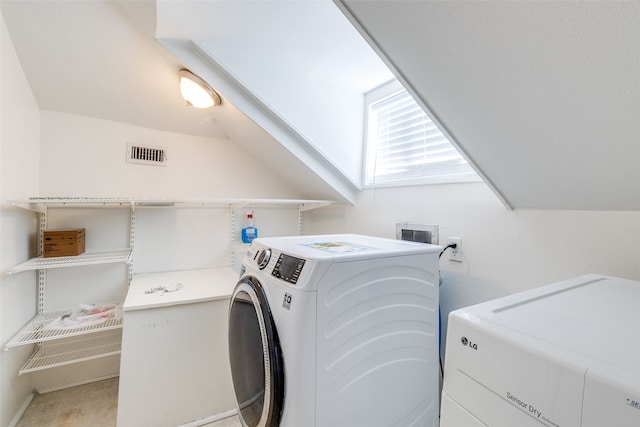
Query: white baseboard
<point>211,419</point>
<point>21,411</point>
<point>92,380</point>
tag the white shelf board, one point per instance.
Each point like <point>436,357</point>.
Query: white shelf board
<point>69,352</point>
<point>88,258</point>
<point>38,204</point>
<point>34,331</point>
<point>146,290</point>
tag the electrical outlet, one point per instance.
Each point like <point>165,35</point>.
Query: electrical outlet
<point>455,254</point>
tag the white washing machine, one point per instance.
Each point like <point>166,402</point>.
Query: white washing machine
<point>336,330</point>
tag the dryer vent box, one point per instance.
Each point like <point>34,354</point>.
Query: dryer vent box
<point>146,154</point>
<point>417,232</point>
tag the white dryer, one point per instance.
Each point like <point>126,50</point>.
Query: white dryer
<point>336,330</point>
<point>563,355</point>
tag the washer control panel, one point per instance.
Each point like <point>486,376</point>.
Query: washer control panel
<point>288,268</point>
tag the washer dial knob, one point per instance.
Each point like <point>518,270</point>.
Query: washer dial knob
<point>263,258</point>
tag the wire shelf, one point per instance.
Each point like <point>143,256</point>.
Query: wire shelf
<point>89,258</point>
<point>34,331</point>
<point>38,204</point>
<point>69,352</point>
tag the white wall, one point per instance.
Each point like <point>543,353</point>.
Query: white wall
<point>83,156</point>
<point>503,251</point>
<point>19,136</point>
<point>47,153</point>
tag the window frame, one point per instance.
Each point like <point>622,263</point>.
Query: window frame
<point>378,94</point>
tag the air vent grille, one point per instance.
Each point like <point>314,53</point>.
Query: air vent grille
<point>146,155</point>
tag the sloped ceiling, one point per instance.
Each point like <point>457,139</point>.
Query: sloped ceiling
<point>542,96</point>
<point>100,59</point>
<point>278,62</point>
<point>314,80</point>
<point>91,58</point>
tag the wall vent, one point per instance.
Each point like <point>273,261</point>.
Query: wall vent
<point>146,155</point>
<point>424,233</point>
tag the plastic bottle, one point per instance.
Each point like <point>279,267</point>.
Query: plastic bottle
<point>250,232</point>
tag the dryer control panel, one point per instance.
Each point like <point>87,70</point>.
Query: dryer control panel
<point>288,268</point>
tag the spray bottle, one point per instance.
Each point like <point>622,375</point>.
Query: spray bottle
<point>250,232</point>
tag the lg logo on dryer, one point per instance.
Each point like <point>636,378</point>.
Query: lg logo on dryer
<point>465,342</point>
<point>286,303</point>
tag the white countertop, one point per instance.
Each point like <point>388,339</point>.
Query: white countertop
<point>152,290</point>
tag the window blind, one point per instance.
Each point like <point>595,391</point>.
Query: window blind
<point>406,146</point>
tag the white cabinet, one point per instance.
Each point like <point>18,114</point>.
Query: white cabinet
<point>56,347</point>
<point>178,371</point>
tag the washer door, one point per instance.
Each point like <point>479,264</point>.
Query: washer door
<point>257,366</point>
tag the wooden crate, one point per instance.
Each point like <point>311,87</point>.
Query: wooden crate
<point>68,242</point>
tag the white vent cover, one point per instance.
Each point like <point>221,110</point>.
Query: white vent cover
<point>146,154</point>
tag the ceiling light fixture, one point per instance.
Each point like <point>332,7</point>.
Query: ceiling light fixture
<point>196,91</point>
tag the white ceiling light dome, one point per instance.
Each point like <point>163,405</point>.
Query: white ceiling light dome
<point>196,91</point>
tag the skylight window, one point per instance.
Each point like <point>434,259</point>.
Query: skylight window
<point>404,146</point>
